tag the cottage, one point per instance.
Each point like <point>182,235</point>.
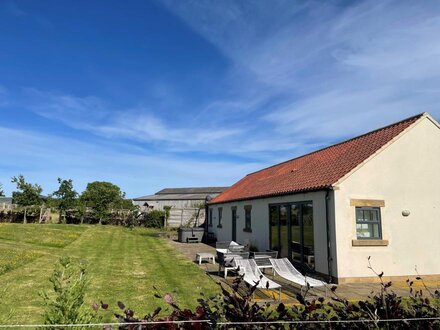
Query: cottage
<point>187,204</point>
<point>374,195</point>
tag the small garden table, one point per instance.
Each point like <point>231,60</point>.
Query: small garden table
<point>205,255</point>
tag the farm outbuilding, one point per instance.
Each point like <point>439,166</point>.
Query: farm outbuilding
<point>187,204</point>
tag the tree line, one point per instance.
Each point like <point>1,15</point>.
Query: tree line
<point>99,197</point>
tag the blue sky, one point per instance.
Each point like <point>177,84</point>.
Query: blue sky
<point>153,94</point>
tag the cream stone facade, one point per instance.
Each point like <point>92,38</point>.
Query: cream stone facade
<point>401,180</point>
<point>405,175</point>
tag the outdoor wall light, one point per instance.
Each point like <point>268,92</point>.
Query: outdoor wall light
<point>406,213</point>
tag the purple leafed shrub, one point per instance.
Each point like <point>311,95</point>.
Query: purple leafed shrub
<point>235,308</point>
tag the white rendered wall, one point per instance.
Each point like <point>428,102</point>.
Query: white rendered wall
<point>406,175</point>
<point>260,223</point>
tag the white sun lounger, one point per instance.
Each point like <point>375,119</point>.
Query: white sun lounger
<point>284,268</point>
<point>252,275</point>
<point>226,261</point>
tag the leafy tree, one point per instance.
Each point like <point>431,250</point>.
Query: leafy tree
<point>101,197</point>
<point>66,196</point>
<point>27,194</point>
<point>81,208</point>
<point>126,204</point>
<point>2,194</point>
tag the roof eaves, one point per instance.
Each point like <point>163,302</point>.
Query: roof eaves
<point>283,193</point>
<point>143,198</point>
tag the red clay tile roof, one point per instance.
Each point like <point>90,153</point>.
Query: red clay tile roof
<point>314,171</point>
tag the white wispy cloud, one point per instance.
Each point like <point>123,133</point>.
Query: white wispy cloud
<point>215,128</point>
<point>342,70</point>
<point>301,76</point>
<point>95,115</point>
<point>43,157</point>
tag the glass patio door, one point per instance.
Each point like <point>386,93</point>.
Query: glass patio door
<point>291,232</point>
<point>234,224</point>
<point>284,234</point>
<point>295,227</point>
<point>273,227</point>
<point>308,241</point>
<point>301,224</point>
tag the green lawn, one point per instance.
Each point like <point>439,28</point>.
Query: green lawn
<point>124,265</point>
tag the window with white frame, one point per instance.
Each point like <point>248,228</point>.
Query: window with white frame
<point>368,223</point>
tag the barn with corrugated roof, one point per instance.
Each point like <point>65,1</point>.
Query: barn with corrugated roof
<point>187,205</point>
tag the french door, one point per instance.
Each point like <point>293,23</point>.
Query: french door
<point>291,232</point>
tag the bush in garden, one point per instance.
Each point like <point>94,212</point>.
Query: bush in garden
<point>65,303</point>
<point>6,216</point>
<point>154,219</point>
<point>132,220</point>
<point>126,217</point>
<point>242,313</point>
<point>16,215</point>
<point>379,307</point>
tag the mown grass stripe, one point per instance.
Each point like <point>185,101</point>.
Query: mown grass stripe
<point>123,264</point>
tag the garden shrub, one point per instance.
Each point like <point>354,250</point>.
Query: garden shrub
<point>127,218</point>
<point>16,215</point>
<point>65,304</point>
<point>154,219</point>
<point>121,217</point>
<point>231,310</point>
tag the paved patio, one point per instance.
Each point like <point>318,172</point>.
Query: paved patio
<point>351,291</point>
